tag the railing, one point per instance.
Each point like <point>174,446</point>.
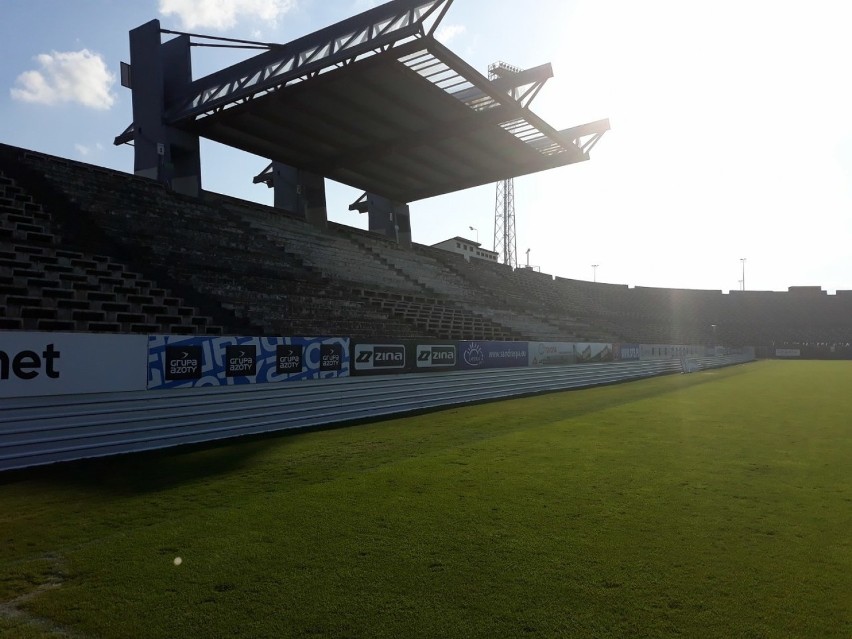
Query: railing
<point>43,430</point>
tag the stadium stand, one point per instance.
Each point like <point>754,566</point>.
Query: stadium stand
<point>89,249</point>
<point>49,285</point>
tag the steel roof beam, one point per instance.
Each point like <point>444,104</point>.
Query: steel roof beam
<point>375,29</point>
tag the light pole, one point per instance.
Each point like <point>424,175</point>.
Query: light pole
<point>473,228</point>
<point>528,258</point>
<point>595,272</point>
<point>743,260</point>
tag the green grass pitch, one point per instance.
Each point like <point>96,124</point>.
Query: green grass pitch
<point>717,504</point>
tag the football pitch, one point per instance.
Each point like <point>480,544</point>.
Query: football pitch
<point>716,504</point>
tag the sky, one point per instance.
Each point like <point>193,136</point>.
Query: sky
<point>731,125</point>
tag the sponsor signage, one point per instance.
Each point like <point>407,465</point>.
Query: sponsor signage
<point>593,352</point>
<point>788,352</point>
<point>241,361</point>
<point>436,356</point>
<point>176,361</point>
<point>43,363</point>
<point>486,354</point>
<point>403,356</point>
<point>551,353</point>
<point>379,358</point>
<point>626,352</point>
<point>183,362</point>
<point>288,359</point>
<point>331,357</point>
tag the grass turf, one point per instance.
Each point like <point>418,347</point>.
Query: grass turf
<point>717,504</point>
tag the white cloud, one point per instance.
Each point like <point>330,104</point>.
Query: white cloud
<point>223,14</point>
<point>447,32</point>
<point>86,150</point>
<point>71,76</point>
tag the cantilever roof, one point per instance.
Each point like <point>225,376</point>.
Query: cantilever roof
<point>411,121</point>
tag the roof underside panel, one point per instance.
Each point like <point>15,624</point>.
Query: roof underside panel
<point>400,124</point>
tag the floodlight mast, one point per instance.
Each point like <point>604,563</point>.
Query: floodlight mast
<point>505,240</point>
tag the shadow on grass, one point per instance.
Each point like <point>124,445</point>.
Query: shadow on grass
<point>156,470</point>
<point>144,472</point>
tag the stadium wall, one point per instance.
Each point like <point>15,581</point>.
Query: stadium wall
<point>100,395</point>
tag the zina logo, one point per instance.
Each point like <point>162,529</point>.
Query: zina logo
<point>384,356</point>
<point>183,362</point>
<point>432,356</point>
<point>27,364</point>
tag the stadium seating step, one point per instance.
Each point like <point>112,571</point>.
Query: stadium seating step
<point>40,238</point>
<point>28,226</point>
<point>38,312</point>
<point>104,327</point>
<point>115,307</point>
<point>8,289</point>
<point>130,318</point>
<point>58,268</point>
<point>84,286</point>
<point>36,283</point>
<point>154,309</point>
<point>72,304</point>
<point>68,274</point>
<point>70,255</point>
<point>17,218</point>
<point>181,329</point>
<point>11,323</point>
<point>45,260</point>
<point>56,325</point>
<point>57,293</point>
<point>101,296</point>
<point>22,300</point>
<point>145,328</point>
<point>27,273</point>
<point>29,250</point>
<point>88,315</point>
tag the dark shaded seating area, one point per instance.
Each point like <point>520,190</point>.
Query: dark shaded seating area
<point>48,284</point>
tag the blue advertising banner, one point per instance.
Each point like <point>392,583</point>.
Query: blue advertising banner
<point>176,361</point>
<point>626,352</point>
<point>483,354</point>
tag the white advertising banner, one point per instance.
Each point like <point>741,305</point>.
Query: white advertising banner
<point>788,352</point>
<point>38,363</point>
<point>552,353</point>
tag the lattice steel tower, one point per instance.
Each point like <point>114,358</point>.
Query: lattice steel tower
<point>504,201</point>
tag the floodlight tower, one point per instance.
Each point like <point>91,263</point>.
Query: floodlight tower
<point>504,201</point>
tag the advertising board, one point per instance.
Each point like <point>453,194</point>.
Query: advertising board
<point>176,361</point>
<point>551,353</point>
<point>626,352</point>
<point>592,352</point>
<point>42,363</point>
<point>487,354</point>
<point>788,352</point>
